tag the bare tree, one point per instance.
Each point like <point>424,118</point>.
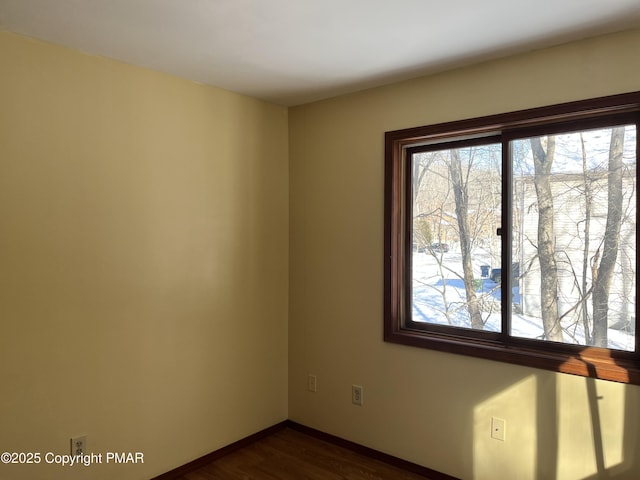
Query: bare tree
<point>460,207</point>
<point>588,200</point>
<point>604,271</point>
<point>461,195</point>
<point>543,160</point>
<point>419,166</point>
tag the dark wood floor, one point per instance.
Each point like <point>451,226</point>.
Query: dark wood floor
<point>292,455</point>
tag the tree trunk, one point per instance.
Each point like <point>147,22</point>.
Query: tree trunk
<point>602,282</point>
<point>546,241</point>
<point>588,201</point>
<point>461,196</point>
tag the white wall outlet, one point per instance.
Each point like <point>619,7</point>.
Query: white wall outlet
<point>357,395</point>
<point>312,383</point>
<point>79,445</point>
<point>498,428</point>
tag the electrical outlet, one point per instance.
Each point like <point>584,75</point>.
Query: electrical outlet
<point>79,445</point>
<point>312,383</point>
<point>498,428</point>
<point>357,395</point>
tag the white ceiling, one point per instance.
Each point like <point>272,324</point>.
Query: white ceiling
<point>296,51</point>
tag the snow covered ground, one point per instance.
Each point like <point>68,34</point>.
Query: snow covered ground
<point>439,297</point>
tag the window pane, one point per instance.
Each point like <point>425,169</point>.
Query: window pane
<point>456,209</point>
<point>574,237</point>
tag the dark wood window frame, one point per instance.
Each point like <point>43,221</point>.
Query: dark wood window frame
<point>580,360</point>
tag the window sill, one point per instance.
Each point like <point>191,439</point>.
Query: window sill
<point>578,360</point>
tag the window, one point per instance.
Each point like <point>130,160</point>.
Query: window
<point>513,237</point>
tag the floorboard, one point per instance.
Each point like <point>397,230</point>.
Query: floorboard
<point>292,455</point>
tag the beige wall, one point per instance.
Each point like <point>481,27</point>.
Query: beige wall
<point>143,262</point>
<point>428,407</point>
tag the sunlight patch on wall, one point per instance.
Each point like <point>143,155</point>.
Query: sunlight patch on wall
<point>556,426</point>
<point>515,457</point>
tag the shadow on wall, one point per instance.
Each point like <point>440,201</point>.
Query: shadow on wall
<point>628,431</point>
<point>559,427</point>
